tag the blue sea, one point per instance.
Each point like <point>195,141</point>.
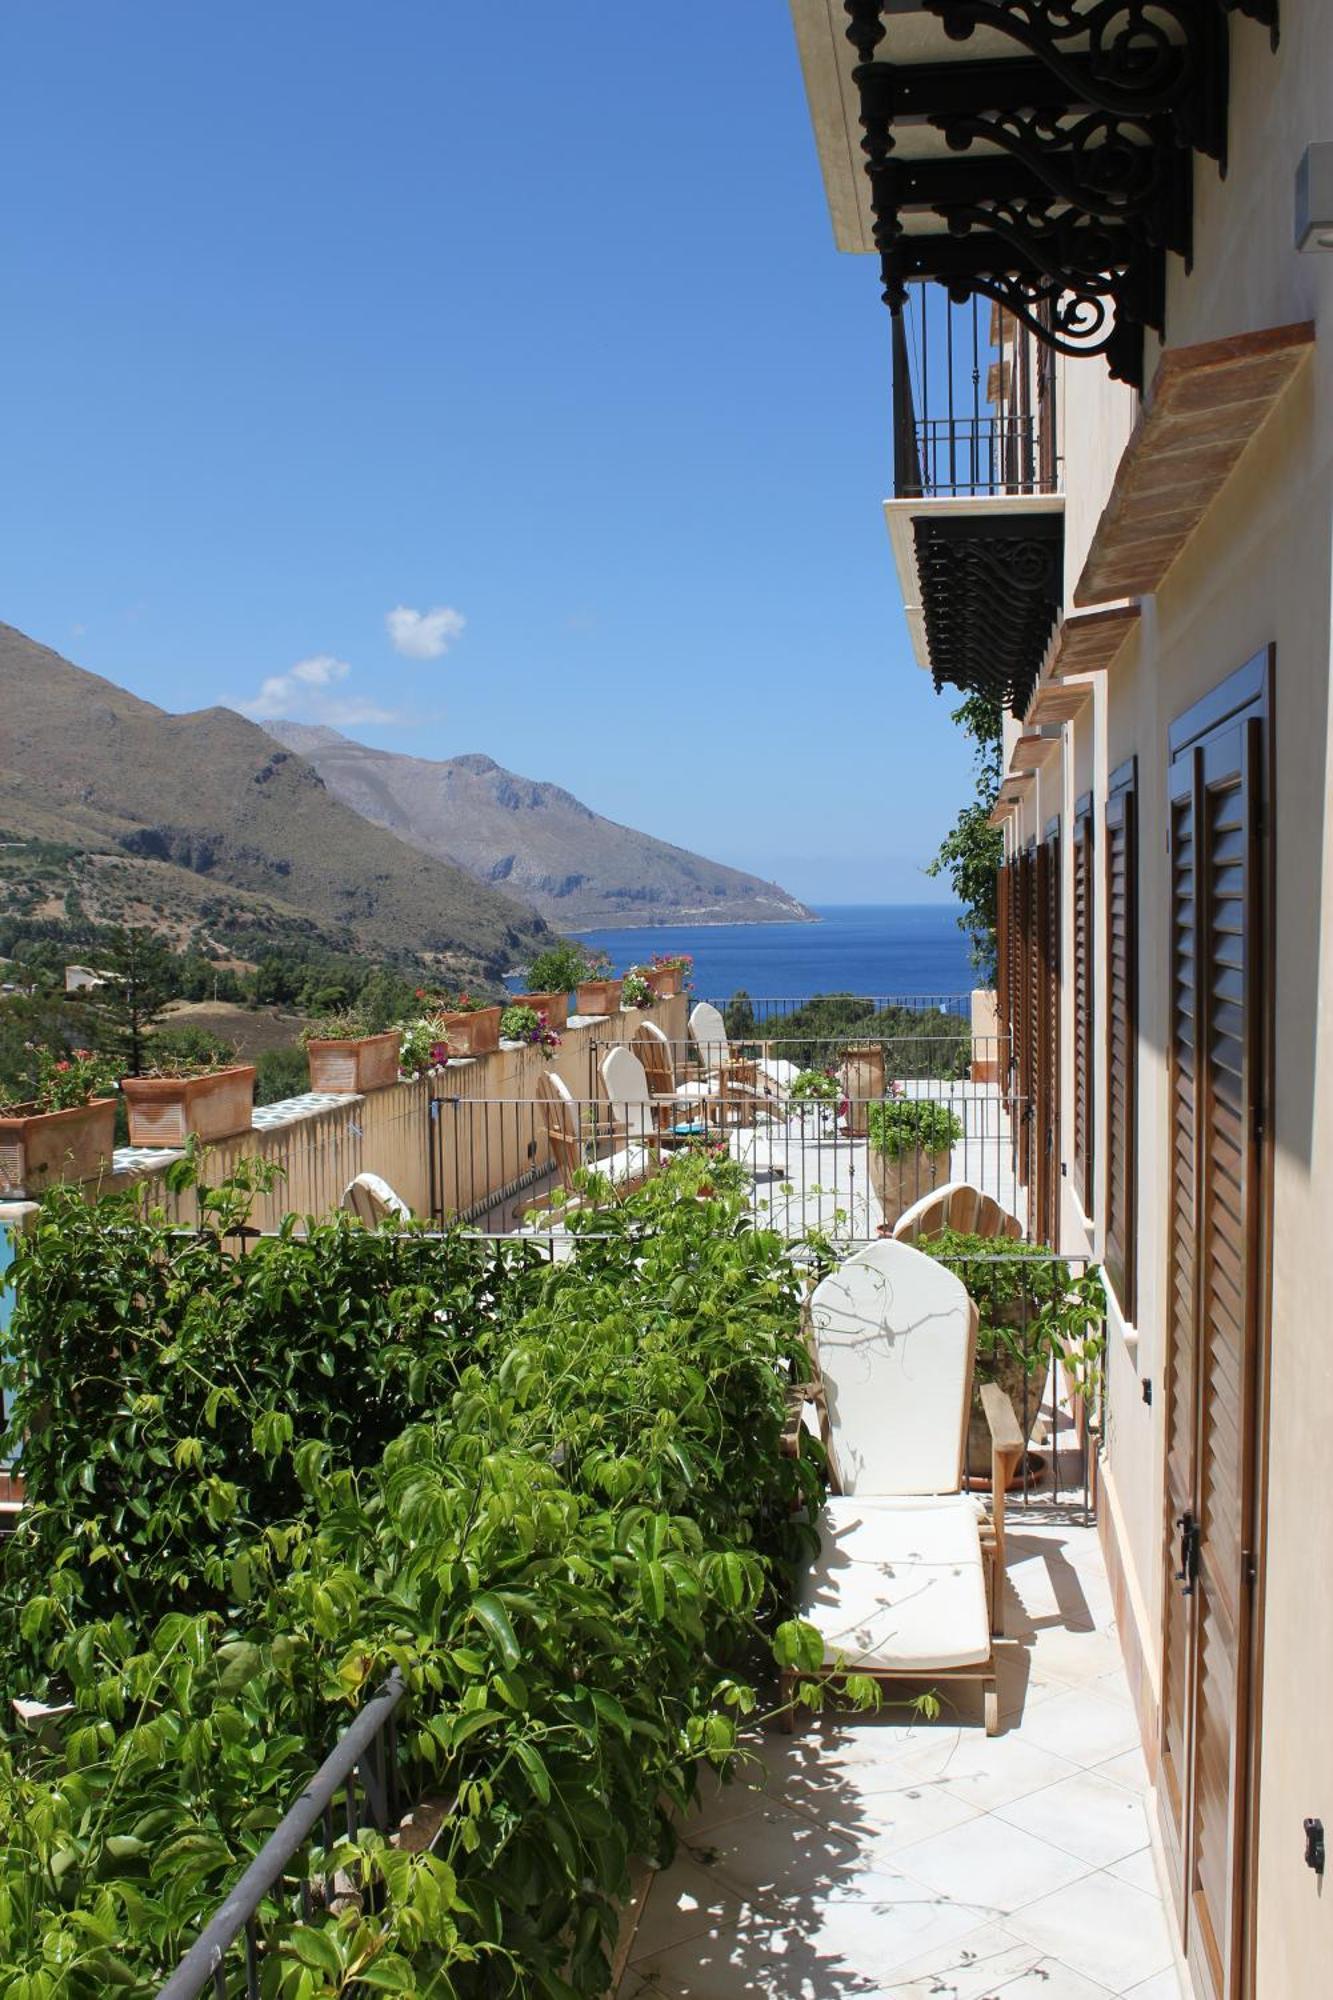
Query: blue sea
<point>889,950</point>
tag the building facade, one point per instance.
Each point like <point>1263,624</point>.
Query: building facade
<point>1141,570</point>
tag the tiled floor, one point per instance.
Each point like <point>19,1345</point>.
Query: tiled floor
<point>884,1860</point>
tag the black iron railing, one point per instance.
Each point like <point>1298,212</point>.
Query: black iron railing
<point>973,401</point>
<point>357,1782</point>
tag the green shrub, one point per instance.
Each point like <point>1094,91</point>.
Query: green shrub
<point>281,1073</point>
<point>559,968</point>
<point>552,1494</point>
<point>1029,1306</point>
<point>912,1124</point>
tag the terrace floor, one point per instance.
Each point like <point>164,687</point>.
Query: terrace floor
<point>884,1859</point>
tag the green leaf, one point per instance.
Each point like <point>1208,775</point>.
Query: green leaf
<point>537,1774</point>
<point>491,1613</point>
<point>316,1949</point>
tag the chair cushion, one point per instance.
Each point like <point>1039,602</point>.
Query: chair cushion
<point>899,1584</point>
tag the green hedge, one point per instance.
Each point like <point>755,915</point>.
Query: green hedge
<point>552,1494</point>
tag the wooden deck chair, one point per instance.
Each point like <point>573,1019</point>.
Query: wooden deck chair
<point>560,1124</point>
<point>675,1102</point>
<point>373,1201</point>
<point>959,1206</point>
<point>908,1584</point>
<point>630,1099</point>
<point>768,1077</point>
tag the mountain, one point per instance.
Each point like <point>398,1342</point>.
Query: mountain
<point>202,821</point>
<point>536,841</point>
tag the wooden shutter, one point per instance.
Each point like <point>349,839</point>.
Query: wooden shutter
<point>1082,1002</point>
<point>1024,1028</point>
<point>1122,1036</point>
<point>1219,999</point>
<point>1044,1201</point>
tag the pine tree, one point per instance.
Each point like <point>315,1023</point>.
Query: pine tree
<point>138,981</point>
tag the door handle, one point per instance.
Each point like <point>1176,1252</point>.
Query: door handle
<point>1189,1554</point>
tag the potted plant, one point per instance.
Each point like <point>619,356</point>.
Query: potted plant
<point>669,973</point>
<point>910,1139</point>
<point>597,992</point>
<point>180,1097</point>
<point>1030,1311</point>
<point>422,1047</point>
<point>65,1131</point>
<point>524,1025</point>
<point>637,989</point>
<point>552,977</point>
<point>816,1093</point>
<point>345,1055</point>
<point>469,1024</point>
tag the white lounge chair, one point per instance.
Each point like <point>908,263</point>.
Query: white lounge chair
<point>908,1583</point>
<point>767,1076</point>
<point>631,1100</point>
<point>957,1205</point>
<point>373,1201</point>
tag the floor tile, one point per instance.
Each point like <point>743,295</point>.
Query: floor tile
<point>774,1856</point>
<point>1082,1727</point>
<point>1049,1980</point>
<point>1086,1815</point>
<point>984,1771</point>
<point>991,1864</point>
<point>1129,1769</point>
<point>1162,1986</point>
<point>970,1968</point>
<point>1139,1870</point>
<point>683,1903</point>
<point>1102,1928</point>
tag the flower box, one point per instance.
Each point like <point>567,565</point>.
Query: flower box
<point>474,1034</point>
<point>598,996</point>
<point>362,1063</point>
<point>555,1006</point>
<point>39,1148</point>
<point>166,1110</point>
<point>664,980</point>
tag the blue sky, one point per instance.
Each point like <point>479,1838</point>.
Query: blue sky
<point>530,318</point>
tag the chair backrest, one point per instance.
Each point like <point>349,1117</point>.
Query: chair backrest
<point>627,1089</point>
<point>371,1200</point>
<point>960,1206</point>
<point>710,1035</point>
<point>560,1123</point>
<point>653,1049</point>
<point>894,1336</point>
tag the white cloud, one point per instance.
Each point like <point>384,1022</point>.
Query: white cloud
<point>303,694</point>
<point>423,635</point>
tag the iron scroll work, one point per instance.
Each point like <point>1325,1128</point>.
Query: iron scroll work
<point>990,598</point>
<point>1068,167</point>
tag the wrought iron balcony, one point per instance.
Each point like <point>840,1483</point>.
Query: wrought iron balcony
<point>973,401</point>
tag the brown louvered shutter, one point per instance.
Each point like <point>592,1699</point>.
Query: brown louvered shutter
<point>1002,977</point>
<point>1219,999</point>
<point>1026,1011</point>
<point>1122,1050</point>
<point>1045,1121</point>
<point>1082,1002</point>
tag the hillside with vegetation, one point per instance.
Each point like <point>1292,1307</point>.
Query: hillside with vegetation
<point>114,812</point>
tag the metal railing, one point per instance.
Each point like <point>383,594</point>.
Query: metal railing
<point>511,1165</point>
<point>360,1774</point>
<point>973,400</point>
<point>775,1007</point>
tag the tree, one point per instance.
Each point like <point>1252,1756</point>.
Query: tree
<point>971,852</point>
<point>140,979</point>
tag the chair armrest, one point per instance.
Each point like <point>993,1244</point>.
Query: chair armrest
<point>789,1443</point>
<point>1005,1435</point>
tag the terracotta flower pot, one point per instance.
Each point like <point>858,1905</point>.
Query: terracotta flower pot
<point>665,981</point>
<point>166,1110</point>
<point>862,1084</point>
<point>555,1006</point>
<point>598,996</point>
<point>900,1182</point>
<point>475,1034</point>
<point>39,1148</point>
<point>368,1062</point>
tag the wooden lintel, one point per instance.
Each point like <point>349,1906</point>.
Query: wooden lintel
<point>1088,641</point>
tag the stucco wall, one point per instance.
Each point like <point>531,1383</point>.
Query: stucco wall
<point>1258,571</point>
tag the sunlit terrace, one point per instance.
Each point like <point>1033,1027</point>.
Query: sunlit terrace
<point>998,1846</point>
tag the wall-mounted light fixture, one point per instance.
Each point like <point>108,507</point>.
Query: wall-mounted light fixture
<point>1314,198</point>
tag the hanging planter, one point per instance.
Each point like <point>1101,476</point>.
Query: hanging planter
<point>209,1104</point>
